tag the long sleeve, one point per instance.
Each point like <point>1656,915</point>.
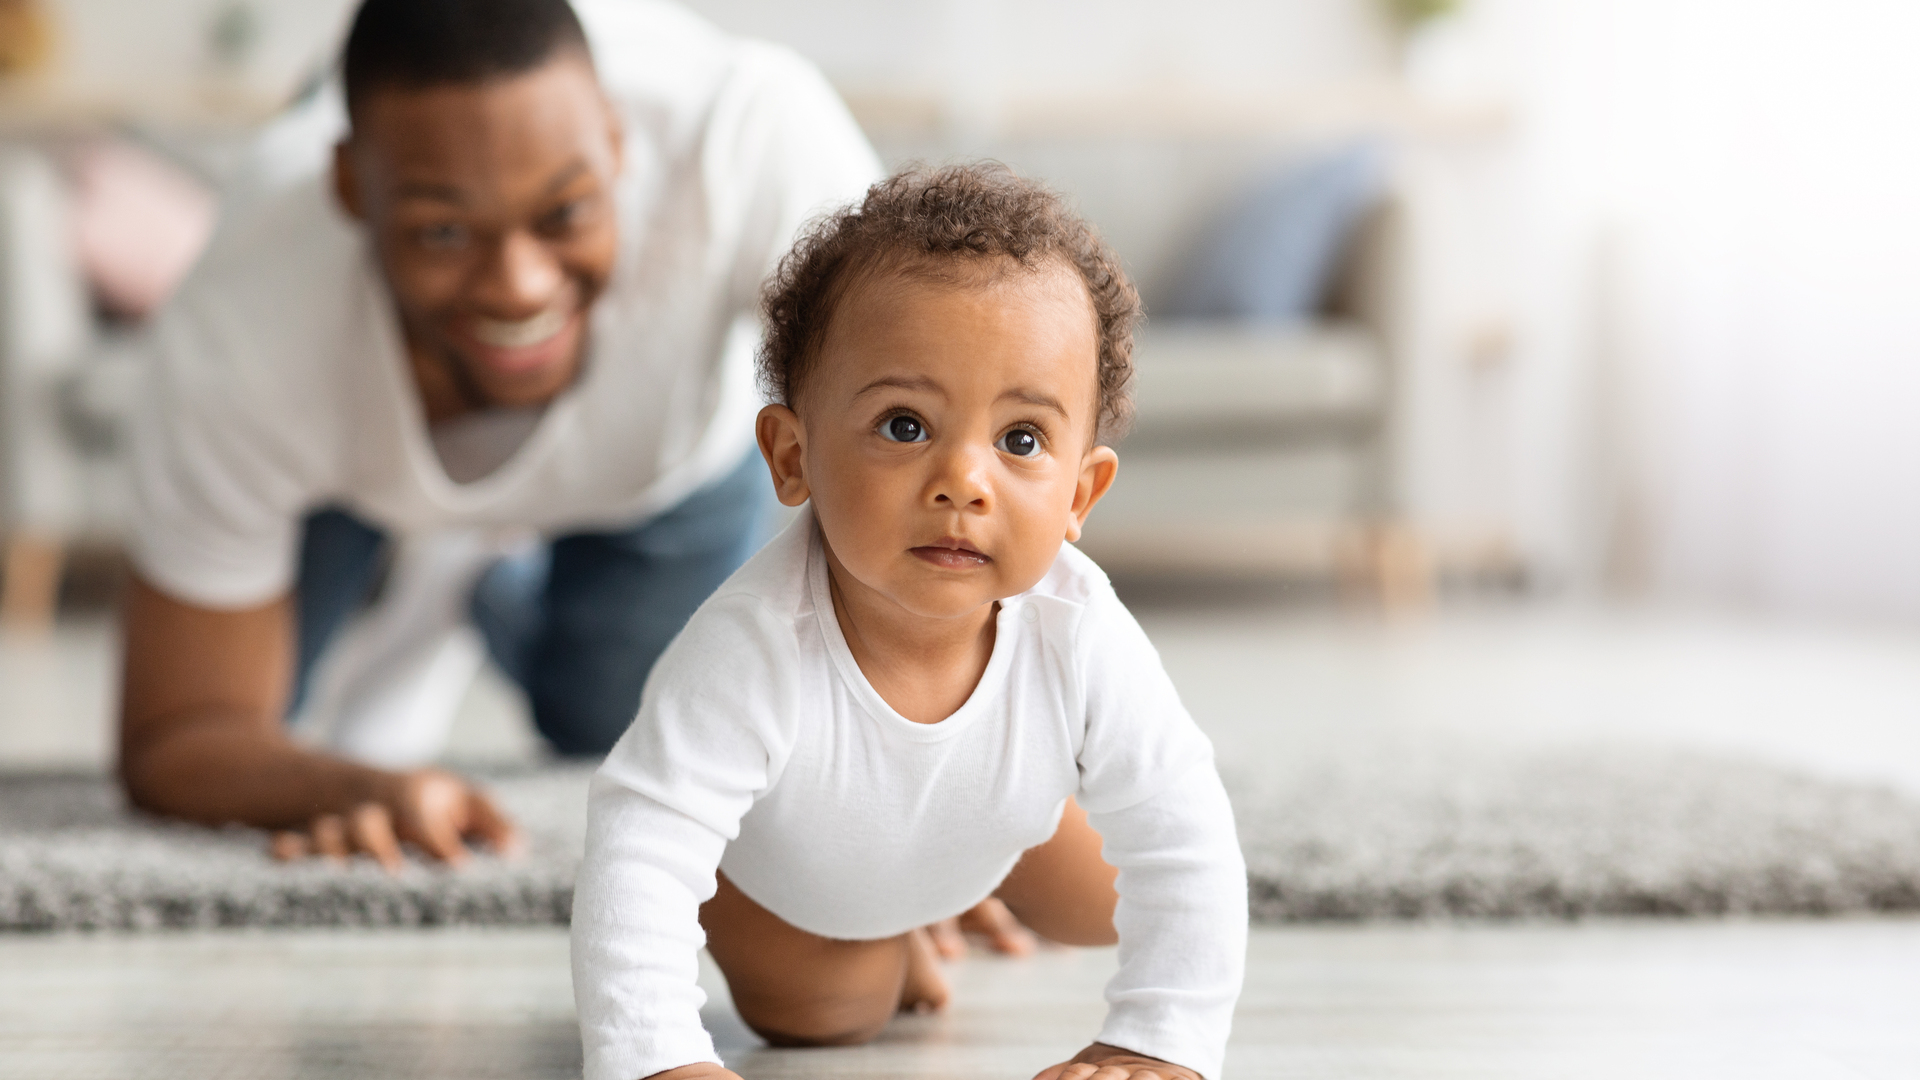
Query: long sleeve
<point>636,935</point>
<point>1182,921</point>
<point>1150,789</point>
<point>708,741</point>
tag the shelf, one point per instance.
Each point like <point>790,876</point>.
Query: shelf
<point>36,108</point>
<point>1176,111</point>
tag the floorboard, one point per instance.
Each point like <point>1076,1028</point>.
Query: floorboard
<point>1652,1000</point>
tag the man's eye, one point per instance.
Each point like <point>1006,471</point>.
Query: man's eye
<point>1020,443</point>
<point>443,237</point>
<point>903,428</point>
<point>563,217</point>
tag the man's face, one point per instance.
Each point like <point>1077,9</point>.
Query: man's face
<point>491,206</point>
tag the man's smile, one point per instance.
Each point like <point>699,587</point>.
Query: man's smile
<point>522,345</point>
<point>521,333</point>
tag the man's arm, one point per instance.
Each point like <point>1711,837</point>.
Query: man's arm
<point>201,738</point>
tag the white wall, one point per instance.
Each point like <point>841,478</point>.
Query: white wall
<point>144,48</point>
<point>929,44</point>
<point>1051,45</point>
<point>1721,224</point>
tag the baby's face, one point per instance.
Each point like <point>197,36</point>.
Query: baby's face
<point>945,435</point>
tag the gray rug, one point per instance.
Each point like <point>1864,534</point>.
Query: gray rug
<point>1443,830</point>
<point>1404,832</point>
<point>72,856</point>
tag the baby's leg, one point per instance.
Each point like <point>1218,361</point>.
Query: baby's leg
<point>1063,889</point>
<point>799,989</point>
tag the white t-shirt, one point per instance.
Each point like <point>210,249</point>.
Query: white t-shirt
<point>761,749</point>
<point>279,381</point>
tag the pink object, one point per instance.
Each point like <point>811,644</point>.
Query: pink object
<point>139,224</point>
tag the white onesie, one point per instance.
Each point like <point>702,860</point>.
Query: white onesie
<point>762,750</point>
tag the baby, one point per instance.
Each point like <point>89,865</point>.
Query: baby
<point>919,695</point>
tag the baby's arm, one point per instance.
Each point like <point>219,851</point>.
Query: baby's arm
<point>660,813</point>
<point>1182,921</point>
<point>637,937</point>
<point>1150,789</point>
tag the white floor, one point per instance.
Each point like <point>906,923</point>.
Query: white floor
<point>1764,1001</point>
<point>1619,1000</point>
<point>1838,700</point>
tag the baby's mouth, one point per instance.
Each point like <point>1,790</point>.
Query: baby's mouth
<point>953,554</point>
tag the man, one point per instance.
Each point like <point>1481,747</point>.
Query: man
<point>516,303</point>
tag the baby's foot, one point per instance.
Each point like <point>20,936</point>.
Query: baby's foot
<point>990,920</point>
<point>926,987</point>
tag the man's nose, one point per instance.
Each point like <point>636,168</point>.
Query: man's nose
<point>520,280</point>
<point>961,479</point>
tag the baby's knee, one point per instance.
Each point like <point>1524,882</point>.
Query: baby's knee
<point>837,1021</point>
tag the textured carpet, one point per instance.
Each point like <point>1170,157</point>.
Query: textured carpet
<point>1444,830</point>
<point>73,856</point>
<point>1410,831</point>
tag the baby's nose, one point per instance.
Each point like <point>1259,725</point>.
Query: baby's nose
<point>962,480</point>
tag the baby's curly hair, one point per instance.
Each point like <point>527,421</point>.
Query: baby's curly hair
<point>970,213</point>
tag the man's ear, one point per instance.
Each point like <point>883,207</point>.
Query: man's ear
<point>1097,471</point>
<point>346,181</point>
<point>783,443</point>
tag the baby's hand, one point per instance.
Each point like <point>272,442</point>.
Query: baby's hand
<point>699,1071</point>
<point>705,1070</point>
<point>1103,1062</point>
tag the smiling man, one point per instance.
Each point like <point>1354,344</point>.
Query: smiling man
<point>512,313</point>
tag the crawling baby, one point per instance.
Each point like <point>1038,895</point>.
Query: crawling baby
<point>919,695</point>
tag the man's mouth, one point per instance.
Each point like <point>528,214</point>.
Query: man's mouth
<point>521,333</point>
<point>521,346</point>
<point>952,553</point>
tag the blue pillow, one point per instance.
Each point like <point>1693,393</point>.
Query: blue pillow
<point>1272,255</point>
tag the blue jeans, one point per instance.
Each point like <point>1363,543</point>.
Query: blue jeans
<point>579,623</point>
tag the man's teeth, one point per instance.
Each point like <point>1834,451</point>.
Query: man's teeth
<point>523,332</point>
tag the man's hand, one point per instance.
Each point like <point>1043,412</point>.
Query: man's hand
<point>1103,1062</point>
<point>201,738</point>
<point>432,810</point>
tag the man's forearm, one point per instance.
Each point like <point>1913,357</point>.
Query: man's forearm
<point>215,771</point>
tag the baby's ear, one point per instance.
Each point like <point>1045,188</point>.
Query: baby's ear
<point>1097,471</point>
<point>783,443</point>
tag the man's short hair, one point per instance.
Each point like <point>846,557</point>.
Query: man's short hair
<point>916,221</point>
<point>415,44</point>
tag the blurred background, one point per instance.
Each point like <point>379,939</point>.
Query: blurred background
<point>1541,367</point>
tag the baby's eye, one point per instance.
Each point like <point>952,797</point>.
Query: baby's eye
<point>1020,442</point>
<point>903,428</point>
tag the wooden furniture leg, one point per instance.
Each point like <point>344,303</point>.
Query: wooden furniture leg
<point>30,582</point>
<point>1402,567</point>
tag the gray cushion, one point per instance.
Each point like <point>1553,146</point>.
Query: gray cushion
<point>1272,256</point>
